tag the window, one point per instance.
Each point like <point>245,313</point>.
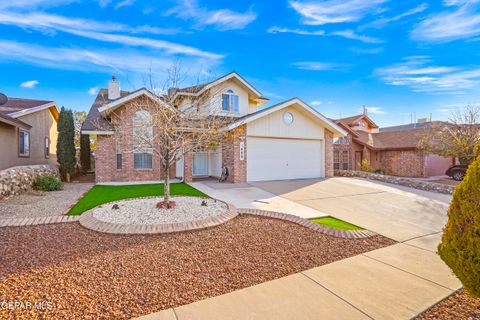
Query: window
<point>288,118</point>
<point>47,147</point>
<point>229,101</point>
<point>118,151</point>
<point>142,140</point>
<point>346,140</point>
<point>336,160</point>
<point>345,160</point>
<point>23,143</point>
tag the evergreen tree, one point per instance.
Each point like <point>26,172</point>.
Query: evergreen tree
<point>85,152</point>
<point>66,143</point>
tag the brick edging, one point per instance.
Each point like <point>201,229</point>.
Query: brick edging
<point>88,221</point>
<point>349,234</point>
<point>21,222</point>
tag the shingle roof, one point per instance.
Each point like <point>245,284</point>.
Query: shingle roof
<point>19,104</point>
<point>405,139</point>
<point>12,121</point>
<point>94,121</point>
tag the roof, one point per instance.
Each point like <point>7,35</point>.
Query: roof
<point>94,120</point>
<point>17,107</point>
<point>411,126</point>
<point>332,126</point>
<point>354,119</point>
<point>390,140</point>
<point>14,122</point>
<point>19,104</point>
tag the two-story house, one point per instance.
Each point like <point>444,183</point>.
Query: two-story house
<point>289,140</point>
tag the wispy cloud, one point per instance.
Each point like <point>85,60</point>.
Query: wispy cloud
<point>373,110</point>
<point>421,77</point>
<point>383,21</point>
<point>276,29</point>
<point>315,103</point>
<point>29,84</point>
<point>93,91</point>
<point>222,19</point>
<point>102,31</point>
<point>376,50</point>
<point>102,60</point>
<point>124,3</point>
<point>461,23</point>
<point>319,66</point>
<point>334,11</point>
<point>33,4</point>
<point>350,34</point>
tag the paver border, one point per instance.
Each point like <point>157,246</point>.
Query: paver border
<point>87,220</point>
<point>337,233</point>
<point>21,222</point>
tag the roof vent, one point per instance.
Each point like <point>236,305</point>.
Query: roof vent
<point>113,89</point>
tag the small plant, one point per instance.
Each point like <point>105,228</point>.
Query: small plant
<point>365,166</point>
<point>47,183</point>
<point>461,241</point>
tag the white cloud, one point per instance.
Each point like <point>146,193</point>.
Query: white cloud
<point>373,110</point>
<point>222,19</point>
<point>29,84</point>
<point>461,23</point>
<point>101,31</point>
<point>124,3</point>
<point>33,4</point>
<point>276,29</point>
<point>383,21</point>
<point>334,11</point>
<point>350,34</point>
<point>420,77</point>
<point>319,66</point>
<point>102,60</point>
<point>93,91</point>
<point>315,103</point>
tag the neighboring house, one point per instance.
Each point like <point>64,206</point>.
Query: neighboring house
<point>289,140</point>
<point>392,150</point>
<point>28,132</point>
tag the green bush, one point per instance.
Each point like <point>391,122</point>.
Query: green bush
<point>47,183</point>
<point>460,246</point>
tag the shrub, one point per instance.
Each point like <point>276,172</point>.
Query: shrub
<point>47,183</point>
<point>365,166</point>
<point>460,246</point>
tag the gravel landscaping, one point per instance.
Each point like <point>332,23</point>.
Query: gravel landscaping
<point>459,305</point>
<point>143,211</point>
<point>90,275</point>
<point>43,204</point>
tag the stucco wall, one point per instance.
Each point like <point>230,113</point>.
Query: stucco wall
<point>43,125</point>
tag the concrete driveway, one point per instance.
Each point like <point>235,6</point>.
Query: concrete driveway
<point>399,213</point>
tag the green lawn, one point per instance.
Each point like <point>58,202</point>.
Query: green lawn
<point>103,194</point>
<point>335,223</point>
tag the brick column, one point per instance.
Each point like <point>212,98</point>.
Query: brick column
<point>231,156</point>
<point>187,167</point>
<point>328,140</point>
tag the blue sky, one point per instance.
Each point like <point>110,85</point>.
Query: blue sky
<point>395,57</point>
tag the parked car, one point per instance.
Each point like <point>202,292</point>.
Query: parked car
<point>457,172</point>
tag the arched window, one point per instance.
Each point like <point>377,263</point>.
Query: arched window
<point>229,101</point>
<point>142,140</point>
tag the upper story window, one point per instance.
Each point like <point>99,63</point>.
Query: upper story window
<point>23,143</point>
<point>230,102</point>
<point>142,140</point>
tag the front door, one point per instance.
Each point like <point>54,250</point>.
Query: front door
<point>358,160</point>
<point>200,164</point>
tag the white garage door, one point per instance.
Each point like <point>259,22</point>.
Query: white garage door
<point>278,159</point>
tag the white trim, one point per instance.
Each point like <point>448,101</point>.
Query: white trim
<point>216,82</point>
<point>97,132</point>
<point>34,109</point>
<point>329,124</point>
<point>116,103</point>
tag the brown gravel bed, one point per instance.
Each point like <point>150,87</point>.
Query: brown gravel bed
<point>459,306</point>
<point>89,275</point>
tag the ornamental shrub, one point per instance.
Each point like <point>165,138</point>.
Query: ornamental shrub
<point>460,246</point>
<point>365,166</point>
<point>47,183</point>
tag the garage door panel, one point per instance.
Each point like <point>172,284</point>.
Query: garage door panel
<point>278,159</point>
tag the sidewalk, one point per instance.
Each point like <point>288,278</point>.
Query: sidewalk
<point>396,282</point>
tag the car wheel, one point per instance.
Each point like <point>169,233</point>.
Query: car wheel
<point>458,175</point>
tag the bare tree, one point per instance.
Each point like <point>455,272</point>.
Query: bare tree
<point>171,126</point>
<point>457,138</point>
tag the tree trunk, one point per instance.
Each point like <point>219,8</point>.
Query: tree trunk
<point>166,186</point>
<point>68,177</point>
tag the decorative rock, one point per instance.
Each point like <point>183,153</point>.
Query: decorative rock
<point>169,205</point>
<point>204,203</point>
<point>115,207</point>
<point>403,181</point>
<point>17,180</point>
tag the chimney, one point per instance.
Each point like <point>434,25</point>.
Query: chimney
<point>422,120</point>
<point>113,89</point>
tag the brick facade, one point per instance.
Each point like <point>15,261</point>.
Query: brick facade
<point>406,163</point>
<point>231,156</point>
<point>328,136</point>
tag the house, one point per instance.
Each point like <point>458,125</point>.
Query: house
<point>28,132</point>
<point>289,140</point>
<point>392,150</point>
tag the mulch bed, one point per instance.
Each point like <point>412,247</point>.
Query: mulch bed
<point>458,306</point>
<point>79,273</point>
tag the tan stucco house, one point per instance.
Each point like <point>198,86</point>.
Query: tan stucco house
<point>28,132</point>
<point>289,140</point>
